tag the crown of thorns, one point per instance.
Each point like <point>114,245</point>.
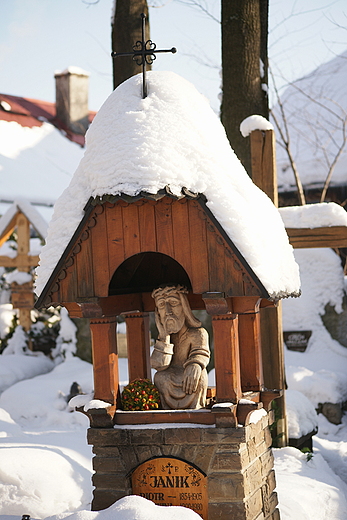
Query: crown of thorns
<point>168,290</point>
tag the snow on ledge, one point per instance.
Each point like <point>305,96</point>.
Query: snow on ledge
<point>252,123</point>
<point>160,426</point>
<point>324,214</point>
<point>71,70</point>
<point>257,415</point>
<point>88,402</point>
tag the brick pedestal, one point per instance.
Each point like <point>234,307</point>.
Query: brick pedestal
<point>238,463</point>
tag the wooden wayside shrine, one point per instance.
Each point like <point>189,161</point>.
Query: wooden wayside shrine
<point>124,248</point>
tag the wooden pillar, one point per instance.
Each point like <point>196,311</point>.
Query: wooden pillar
<point>105,359</point>
<point>227,358</point>
<point>264,175</point>
<point>23,247</point>
<point>247,309</point>
<point>138,340</point>
<point>263,159</point>
<point>273,361</point>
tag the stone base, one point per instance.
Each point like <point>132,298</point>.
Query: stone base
<point>238,463</point>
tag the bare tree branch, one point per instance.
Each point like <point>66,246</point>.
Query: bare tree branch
<point>200,5</point>
<point>285,136</point>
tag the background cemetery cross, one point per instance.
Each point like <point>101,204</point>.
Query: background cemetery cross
<point>21,217</point>
<point>144,52</point>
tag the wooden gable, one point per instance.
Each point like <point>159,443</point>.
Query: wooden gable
<point>132,244</point>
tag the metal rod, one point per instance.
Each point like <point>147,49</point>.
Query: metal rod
<point>147,55</point>
<point>144,85</point>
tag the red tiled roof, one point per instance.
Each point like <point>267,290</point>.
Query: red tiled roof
<point>33,112</point>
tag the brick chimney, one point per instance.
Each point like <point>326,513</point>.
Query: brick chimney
<point>71,95</point>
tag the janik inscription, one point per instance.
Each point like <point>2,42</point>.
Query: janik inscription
<point>168,481</point>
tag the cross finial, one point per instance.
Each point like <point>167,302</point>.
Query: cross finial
<point>143,52</point>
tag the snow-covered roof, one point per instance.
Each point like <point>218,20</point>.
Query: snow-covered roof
<point>38,156</point>
<point>36,163</point>
<point>173,138</point>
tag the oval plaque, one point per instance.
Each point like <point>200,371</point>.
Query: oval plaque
<point>168,481</point>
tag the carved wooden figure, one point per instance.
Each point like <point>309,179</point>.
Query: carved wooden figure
<point>181,352</point>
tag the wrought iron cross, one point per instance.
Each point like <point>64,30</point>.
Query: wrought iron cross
<point>143,52</point>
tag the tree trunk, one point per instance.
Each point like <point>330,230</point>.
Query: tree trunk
<point>126,31</point>
<point>244,48</point>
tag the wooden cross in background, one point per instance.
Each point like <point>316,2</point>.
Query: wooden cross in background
<point>16,218</point>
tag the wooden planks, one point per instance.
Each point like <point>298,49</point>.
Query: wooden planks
<point>131,230</point>
<point>147,417</point>
<point>181,235</point>
<point>163,222</point>
<point>179,229</point>
<point>28,261</point>
<point>114,245</point>
<point>334,236</point>
<point>198,247</point>
<point>84,266</point>
<point>148,239</point>
<point>101,267</point>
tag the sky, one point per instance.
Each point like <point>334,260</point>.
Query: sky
<point>39,37</point>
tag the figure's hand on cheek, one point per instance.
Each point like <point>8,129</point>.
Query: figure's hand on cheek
<point>191,378</point>
<point>162,335</point>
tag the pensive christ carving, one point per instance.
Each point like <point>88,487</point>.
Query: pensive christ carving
<point>181,352</point>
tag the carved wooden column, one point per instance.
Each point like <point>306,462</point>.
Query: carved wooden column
<point>226,357</point>
<point>247,309</point>
<point>226,347</point>
<point>105,359</point>
<point>138,340</point>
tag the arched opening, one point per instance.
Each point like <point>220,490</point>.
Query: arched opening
<point>144,272</point>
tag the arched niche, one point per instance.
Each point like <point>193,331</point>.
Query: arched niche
<point>143,272</point>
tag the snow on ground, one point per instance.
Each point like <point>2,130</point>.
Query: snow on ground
<point>308,490</point>
<point>321,372</point>
<point>301,414</point>
<point>332,444</point>
<point>45,466</point>
<point>15,368</point>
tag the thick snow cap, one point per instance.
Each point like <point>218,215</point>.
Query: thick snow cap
<point>173,138</point>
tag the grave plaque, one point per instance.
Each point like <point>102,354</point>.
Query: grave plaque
<point>297,340</point>
<point>22,296</point>
<point>168,481</point>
